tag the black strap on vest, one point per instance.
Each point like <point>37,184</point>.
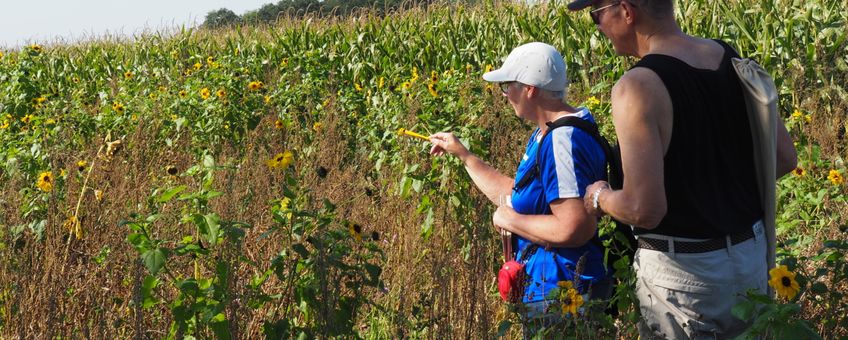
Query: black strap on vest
<point>581,124</point>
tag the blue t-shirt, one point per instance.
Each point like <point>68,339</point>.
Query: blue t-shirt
<point>570,160</point>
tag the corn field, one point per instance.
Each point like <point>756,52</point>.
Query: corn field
<point>250,182</point>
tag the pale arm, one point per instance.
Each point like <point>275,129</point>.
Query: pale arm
<point>491,182</point>
<point>568,226</point>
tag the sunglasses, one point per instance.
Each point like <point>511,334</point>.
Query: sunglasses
<point>596,13</point>
<point>505,86</point>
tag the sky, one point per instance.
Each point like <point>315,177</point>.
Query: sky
<point>25,22</point>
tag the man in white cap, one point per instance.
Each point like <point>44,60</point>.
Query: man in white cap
<point>545,207</point>
<point>690,186</point>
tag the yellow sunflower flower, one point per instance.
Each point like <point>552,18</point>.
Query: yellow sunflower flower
<point>797,115</point>
<point>210,60</point>
<point>81,165</point>
<point>281,160</point>
<point>357,87</point>
<point>835,177</point>
<point>317,127</point>
<point>255,85</point>
<point>45,181</point>
<point>432,89</point>
<point>279,124</point>
<point>800,172</point>
<point>72,223</point>
<point>118,107</point>
<point>489,68</point>
<point>5,124</point>
<point>26,119</point>
<point>197,66</point>
<point>182,93</point>
<point>571,302</point>
<point>205,93</point>
<point>221,93</point>
<point>128,74</point>
<point>783,281</point>
<point>35,48</point>
<point>355,231</point>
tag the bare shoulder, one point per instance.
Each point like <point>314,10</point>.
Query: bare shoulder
<point>640,91</point>
<point>641,104</point>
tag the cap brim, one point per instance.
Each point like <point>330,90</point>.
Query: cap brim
<point>579,4</point>
<point>497,76</point>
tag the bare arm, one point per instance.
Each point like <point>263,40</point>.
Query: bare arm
<point>569,225</point>
<point>491,182</point>
<point>642,114</point>
<point>787,159</point>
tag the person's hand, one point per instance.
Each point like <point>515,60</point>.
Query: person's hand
<point>446,142</point>
<point>501,219</point>
<point>589,198</point>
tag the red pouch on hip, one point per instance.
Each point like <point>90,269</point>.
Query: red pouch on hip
<point>511,281</point>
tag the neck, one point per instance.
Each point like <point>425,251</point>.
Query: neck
<point>550,111</point>
<point>653,38</point>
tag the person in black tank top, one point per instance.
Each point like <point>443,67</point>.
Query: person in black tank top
<point>690,188</point>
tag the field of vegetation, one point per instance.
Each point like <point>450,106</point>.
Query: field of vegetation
<point>250,182</point>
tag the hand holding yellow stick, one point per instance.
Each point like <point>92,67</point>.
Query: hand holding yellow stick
<point>402,132</point>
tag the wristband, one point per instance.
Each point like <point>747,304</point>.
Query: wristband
<point>595,196</point>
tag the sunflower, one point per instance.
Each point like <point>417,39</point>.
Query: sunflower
<point>357,87</point>
<point>797,115</point>
<point>26,119</point>
<point>835,177</point>
<point>255,85</point>
<point>171,170</point>
<point>432,89</point>
<point>45,181</point>
<point>118,107</point>
<point>197,66</point>
<point>434,76</point>
<point>281,160</point>
<point>5,124</point>
<point>489,68</point>
<point>35,48</point>
<point>182,93</point>
<point>205,93</point>
<point>128,74</point>
<point>72,223</point>
<point>221,93</point>
<point>571,301</point>
<point>81,165</point>
<point>279,124</point>
<point>284,62</point>
<point>355,231</point>
<point>800,172</point>
<point>317,126</point>
<point>210,60</point>
<point>783,281</point>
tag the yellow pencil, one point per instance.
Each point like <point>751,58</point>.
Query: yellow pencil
<point>406,132</point>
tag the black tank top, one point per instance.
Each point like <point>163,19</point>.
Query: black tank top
<point>710,181</point>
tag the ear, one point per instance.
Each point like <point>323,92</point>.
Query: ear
<point>532,91</point>
<point>629,11</point>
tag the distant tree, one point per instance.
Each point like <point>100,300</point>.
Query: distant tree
<point>221,17</point>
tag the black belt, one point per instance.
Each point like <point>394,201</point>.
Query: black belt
<point>694,246</point>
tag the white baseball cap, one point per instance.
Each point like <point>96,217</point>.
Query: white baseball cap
<point>535,64</point>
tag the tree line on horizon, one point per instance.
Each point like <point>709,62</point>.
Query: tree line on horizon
<point>268,13</point>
